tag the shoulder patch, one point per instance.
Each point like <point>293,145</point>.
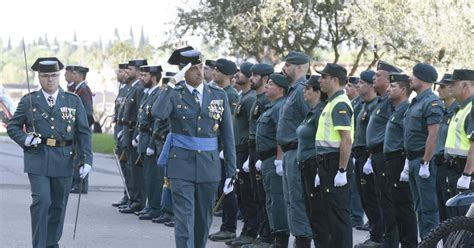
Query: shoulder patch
<point>434,103</point>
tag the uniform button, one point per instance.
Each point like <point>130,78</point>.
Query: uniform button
<point>184,117</point>
<point>199,129</point>
<point>52,137</point>
<point>199,117</point>
<point>52,118</point>
<point>70,152</point>
<point>52,127</point>
<point>199,151</point>
<point>184,129</point>
<point>174,155</point>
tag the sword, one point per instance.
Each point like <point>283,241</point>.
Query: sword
<point>29,92</point>
<point>221,198</point>
<point>121,175</point>
<point>77,210</point>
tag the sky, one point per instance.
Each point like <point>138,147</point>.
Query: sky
<point>90,19</point>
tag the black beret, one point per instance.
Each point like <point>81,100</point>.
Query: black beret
<point>137,62</point>
<point>211,63</point>
<point>225,66</point>
<point>121,66</point>
<point>174,59</point>
<point>51,64</point>
<point>245,69</point>
<point>382,65</point>
<point>353,80</point>
<point>398,77</point>
<point>262,69</point>
<point>425,72</point>
<point>461,74</point>
<point>335,70</point>
<point>313,81</point>
<point>297,58</point>
<point>78,68</point>
<point>280,80</point>
<point>367,76</point>
<point>151,68</point>
<point>444,81</point>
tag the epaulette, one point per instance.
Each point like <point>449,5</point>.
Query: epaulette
<point>71,93</point>
<point>215,87</point>
<point>32,93</point>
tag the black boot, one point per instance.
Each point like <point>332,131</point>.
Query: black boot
<point>302,242</point>
<point>281,240</point>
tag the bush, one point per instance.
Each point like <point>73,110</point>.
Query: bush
<point>103,143</point>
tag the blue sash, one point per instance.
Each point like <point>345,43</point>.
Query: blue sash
<point>186,142</point>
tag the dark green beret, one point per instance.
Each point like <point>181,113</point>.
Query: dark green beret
<point>280,80</point>
<point>262,69</point>
<point>245,69</point>
<point>425,72</point>
<point>297,58</point>
<point>225,66</point>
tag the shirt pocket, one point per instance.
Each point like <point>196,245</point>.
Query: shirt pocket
<point>416,121</point>
<point>184,112</point>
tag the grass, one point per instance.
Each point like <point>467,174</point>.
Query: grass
<point>103,143</point>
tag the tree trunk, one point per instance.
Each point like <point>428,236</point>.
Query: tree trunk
<point>359,56</point>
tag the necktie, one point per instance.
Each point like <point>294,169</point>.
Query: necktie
<point>51,101</point>
<point>196,96</point>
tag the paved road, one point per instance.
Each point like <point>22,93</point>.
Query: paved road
<point>99,225</point>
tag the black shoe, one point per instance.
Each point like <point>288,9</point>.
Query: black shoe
<point>222,236</point>
<point>218,213</point>
<point>241,240</point>
<point>162,219</point>
<point>170,223</point>
<point>369,243</point>
<point>134,207</point>
<point>365,227</point>
<point>147,216</point>
<point>121,202</point>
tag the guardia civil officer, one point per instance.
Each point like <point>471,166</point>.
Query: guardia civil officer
<point>122,90</point>
<point>376,163</point>
<point>269,151</point>
<point>129,121</point>
<point>294,110</point>
<point>147,146</point>
<point>198,114</point>
<point>399,190</point>
<point>461,85</point>
<point>306,157</point>
<point>81,88</point>
<point>333,149</point>
<point>240,125</point>
<point>56,125</point>
<point>443,189</point>
<point>209,66</point>
<point>421,126</point>
<point>365,183</point>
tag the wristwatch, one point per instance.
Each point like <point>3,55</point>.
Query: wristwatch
<point>342,170</point>
<point>465,174</point>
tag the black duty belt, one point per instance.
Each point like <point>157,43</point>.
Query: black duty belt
<point>455,162</point>
<point>267,154</point>
<point>131,124</point>
<point>415,154</point>
<point>145,129</point>
<point>308,162</point>
<point>56,143</point>
<point>395,154</point>
<point>360,151</point>
<point>289,146</point>
<point>119,122</point>
<point>251,143</point>
<point>376,149</point>
<point>242,148</point>
<point>439,159</point>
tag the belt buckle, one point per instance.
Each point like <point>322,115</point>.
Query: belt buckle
<point>51,142</point>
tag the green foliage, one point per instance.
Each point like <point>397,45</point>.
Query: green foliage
<point>103,143</point>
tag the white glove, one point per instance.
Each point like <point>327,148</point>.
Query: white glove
<point>353,161</point>
<point>221,154</point>
<point>368,167</point>
<point>317,181</point>
<point>119,134</point>
<point>135,141</point>
<point>340,179</point>
<point>404,175</point>
<point>279,167</point>
<point>424,171</point>
<point>245,166</point>
<point>149,151</point>
<point>32,140</point>
<point>258,165</point>
<point>84,170</point>
<point>180,74</point>
<point>464,182</point>
<point>228,186</point>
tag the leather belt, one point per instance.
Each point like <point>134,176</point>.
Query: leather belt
<point>145,129</point>
<point>376,149</point>
<point>56,143</point>
<point>415,154</point>
<point>453,162</point>
<point>242,148</point>
<point>131,124</point>
<point>289,146</point>
<point>267,154</point>
<point>395,154</point>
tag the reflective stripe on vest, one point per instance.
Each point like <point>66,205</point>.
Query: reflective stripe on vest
<point>457,142</point>
<point>326,136</point>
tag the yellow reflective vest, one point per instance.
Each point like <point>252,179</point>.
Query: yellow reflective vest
<point>457,142</point>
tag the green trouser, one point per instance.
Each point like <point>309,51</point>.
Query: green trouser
<point>293,191</point>
<point>137,189</point>
<point>275,202</point>
<point>153,183</point>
